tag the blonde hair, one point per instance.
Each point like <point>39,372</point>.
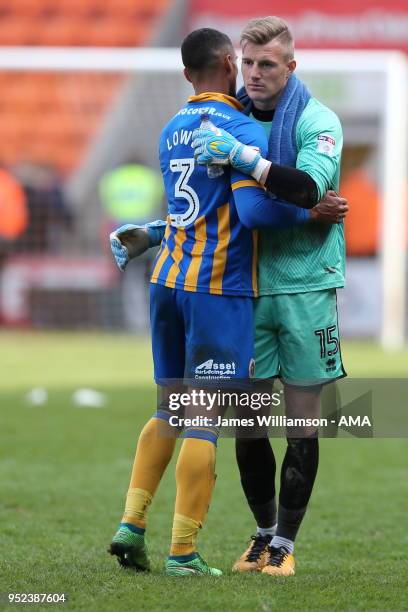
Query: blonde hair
<point>263,30</point>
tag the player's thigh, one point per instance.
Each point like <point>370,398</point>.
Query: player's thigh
<point>168,333</point>
<point>309,343</point>
<point>266,338</point>
<point>219,336</point>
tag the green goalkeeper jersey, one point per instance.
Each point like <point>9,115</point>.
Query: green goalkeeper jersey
<point>309,257</point>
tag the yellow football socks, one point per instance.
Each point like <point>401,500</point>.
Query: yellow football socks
<point>137,504</point>
<point>154,451</point>
<point>195,477</point>
<point>184,535</point>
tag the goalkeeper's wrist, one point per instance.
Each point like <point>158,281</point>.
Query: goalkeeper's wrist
<point>245,158</point>
<point>261,166</point>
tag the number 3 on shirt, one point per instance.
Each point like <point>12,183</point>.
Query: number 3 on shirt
<point>183,190</point>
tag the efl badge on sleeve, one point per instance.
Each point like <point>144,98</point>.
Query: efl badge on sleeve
<point>326,144</point>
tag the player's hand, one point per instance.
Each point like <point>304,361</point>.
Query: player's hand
<point>222,148</point>
<point>130,241</point>
<point>331,209</point>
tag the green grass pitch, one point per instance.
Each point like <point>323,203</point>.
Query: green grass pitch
<point>64,472</point>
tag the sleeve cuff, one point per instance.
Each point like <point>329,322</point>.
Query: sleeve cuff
<point>259,168</point>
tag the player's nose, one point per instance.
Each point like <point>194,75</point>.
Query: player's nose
<point>254,73</point>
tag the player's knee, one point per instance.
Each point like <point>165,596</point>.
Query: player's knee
<point>149,432</point>
<point>301,448</point>
<point>251,449</point>
<point>302,432</point>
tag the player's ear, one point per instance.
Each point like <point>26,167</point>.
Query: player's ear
<point>291,66</point>
<point>226,63</point>
<point>185,71</point>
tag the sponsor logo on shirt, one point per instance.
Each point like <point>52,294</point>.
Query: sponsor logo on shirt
<point>212,369</point>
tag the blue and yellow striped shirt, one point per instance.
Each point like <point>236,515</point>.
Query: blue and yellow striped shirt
<point>206,248</point>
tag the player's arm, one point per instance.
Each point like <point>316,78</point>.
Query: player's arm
<point>130,241</point>
<point>254,206</point>
<point>256,209</point>
<point>291,184</point>
<point>320,142</point>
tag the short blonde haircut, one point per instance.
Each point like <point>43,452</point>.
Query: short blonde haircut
<point>262,30</point>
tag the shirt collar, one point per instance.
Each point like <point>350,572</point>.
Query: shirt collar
<point>217,97</point>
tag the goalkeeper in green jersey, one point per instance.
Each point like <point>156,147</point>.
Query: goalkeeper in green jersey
<point>299,270</point>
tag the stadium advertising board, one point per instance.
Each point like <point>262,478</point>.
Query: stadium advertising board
<point>340,24</point>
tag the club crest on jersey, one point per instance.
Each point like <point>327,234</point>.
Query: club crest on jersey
<point>326,144</point>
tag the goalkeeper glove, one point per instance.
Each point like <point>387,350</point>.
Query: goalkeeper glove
<point>130,241</point>
<point>217,148</point>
